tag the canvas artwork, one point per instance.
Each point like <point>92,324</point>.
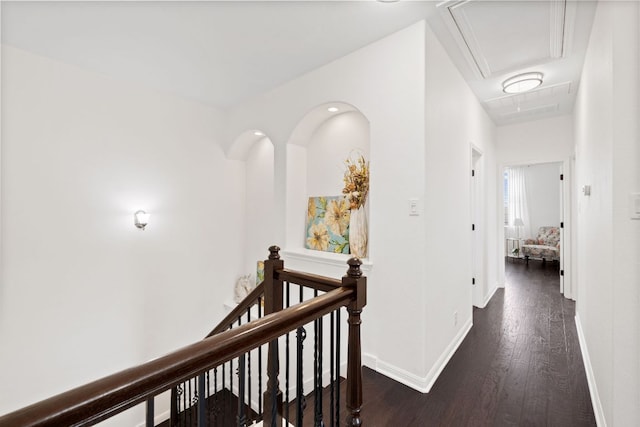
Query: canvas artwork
<point>260,272</point>
<point>328,224</point>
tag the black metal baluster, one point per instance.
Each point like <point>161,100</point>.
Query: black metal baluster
<point>339,345</point>
<point>241,417</point>
<point>249,410</point>
<point>286,381</point>
<point>230,386</point>
<point>188,401</point>
<point>223,399</point>
<point>260,394</point>
<point>215,396</point>
<point>150,412</point>
<point>207,397</point>
<point>300,399</point>
<point>175,402</point>
<point>318,422</point>
<point>184,403</point>
<point>332,379</point>
<point>315,373</point>
<point>202,422</point>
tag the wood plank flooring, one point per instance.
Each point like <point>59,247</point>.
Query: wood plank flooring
<point>520,365</point>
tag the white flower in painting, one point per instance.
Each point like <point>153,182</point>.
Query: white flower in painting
<point>337,216</point>
<point>318,237</point>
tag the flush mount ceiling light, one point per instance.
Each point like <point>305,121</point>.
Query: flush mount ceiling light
<point>332,109</point>
<point>258,133</point>
<point>522,83</point>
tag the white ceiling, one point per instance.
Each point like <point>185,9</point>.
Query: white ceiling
<point>491,41</point>
<point>221,53</point>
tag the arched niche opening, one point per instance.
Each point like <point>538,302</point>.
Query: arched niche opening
<point>316,152</point>
<point>256,150</point>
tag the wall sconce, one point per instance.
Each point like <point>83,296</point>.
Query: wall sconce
<point>141,219</point>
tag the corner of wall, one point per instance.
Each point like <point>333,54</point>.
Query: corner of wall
<point>416,382</point>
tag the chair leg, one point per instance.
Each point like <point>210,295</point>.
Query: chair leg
<point>526,258</point>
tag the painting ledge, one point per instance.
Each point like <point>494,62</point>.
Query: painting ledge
<point>339,260</point>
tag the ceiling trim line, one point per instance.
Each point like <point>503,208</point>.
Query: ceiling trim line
<point>557,28</point>
<point>457,28</point>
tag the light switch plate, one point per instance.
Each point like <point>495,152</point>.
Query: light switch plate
<point>414,209</point>
<point>634,205</point>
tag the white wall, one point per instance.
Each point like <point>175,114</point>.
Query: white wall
<point>391,70</point>
<point>334,141</point>
<point>607,159</point>
<point>414,143</point>
<point>454,121</point>
<point>84,292</point>
<point>539,141</point>
<point>543,195</point>
<point>260,215</point>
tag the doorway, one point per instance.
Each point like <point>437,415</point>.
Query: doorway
<point>534,208</point>
<point>478,229</point>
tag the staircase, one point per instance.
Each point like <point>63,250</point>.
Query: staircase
<point>293,365</point>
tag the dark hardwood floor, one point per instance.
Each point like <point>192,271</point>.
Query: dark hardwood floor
<point>520,365</point>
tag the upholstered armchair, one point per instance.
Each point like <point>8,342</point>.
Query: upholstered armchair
<point>545,246</point>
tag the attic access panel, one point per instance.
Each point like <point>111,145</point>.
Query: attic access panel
<point>497,37</point>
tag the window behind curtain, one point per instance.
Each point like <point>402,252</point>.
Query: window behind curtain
<point>505,179</point>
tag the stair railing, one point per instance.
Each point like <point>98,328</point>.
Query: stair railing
<point>104,398</point>
<point>239,383</point>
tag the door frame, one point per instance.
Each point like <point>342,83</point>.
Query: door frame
<point>478,235</point>
<point>567,284</point>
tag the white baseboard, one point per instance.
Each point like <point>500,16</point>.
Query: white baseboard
<point>439,366</point>
<point>421,384</point>
<point>591,379</point>
<point>370,361</point>
<point>488,297</point>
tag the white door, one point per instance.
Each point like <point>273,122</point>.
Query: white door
<point>477,229</point>
<point>562,253</point>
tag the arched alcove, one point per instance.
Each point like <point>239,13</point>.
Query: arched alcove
<point>256,150</point>
<point>316,152</point>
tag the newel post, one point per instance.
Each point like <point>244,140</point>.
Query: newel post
<point>272,304</point>
<point>354,352</point>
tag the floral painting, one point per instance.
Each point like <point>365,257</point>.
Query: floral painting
<point>328,224</point>
<point>260,272</point>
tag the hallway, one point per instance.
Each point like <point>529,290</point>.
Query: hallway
<point>520,365</point>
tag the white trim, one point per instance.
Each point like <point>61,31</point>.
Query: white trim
<point>489,296</point>
<point>439,366</point>
<point>591,379</point>
<point>421,384</point>
<point>319,257</point>
<point>370,361</point>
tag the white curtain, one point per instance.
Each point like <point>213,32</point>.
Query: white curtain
<point>517,200</point>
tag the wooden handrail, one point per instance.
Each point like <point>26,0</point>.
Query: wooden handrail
<point>101,399</point>
<point>312,281</point>
<point>239,310</point>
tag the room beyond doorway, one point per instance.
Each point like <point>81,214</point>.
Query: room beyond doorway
<point>534,208</point>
